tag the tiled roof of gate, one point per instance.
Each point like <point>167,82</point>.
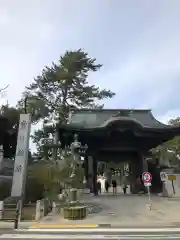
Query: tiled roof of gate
<point>94,118</point>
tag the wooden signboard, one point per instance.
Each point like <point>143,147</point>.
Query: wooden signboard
<point>172,177</point>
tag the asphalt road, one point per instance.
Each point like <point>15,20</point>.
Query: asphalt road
<point>93,234</point>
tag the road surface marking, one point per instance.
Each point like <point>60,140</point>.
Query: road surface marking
<point>63,226</point>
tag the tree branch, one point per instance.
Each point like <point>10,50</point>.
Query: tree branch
<point>2,89</point>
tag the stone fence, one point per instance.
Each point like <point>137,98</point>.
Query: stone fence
<point>40,209</point>
<point>43,207</point>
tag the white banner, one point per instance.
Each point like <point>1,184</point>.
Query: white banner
<point>21,159</point>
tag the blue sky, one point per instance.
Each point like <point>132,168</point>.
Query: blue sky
<point>137,41</point>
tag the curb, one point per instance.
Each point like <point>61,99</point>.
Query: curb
<point>101,226</point>
<point>100,230</point>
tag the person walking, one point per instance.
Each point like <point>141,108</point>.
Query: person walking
<point>106,186</point>
<point>124,184</point>
<point>99,186</point>
<point>114,186</point>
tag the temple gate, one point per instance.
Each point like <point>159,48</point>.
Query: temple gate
<point>117,135</point>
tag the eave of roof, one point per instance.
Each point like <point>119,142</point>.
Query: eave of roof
<point>173,130</point>
<point>139,127</point>
<point>109,110</point>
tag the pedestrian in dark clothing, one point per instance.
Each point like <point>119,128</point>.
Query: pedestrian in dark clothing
<point>114,185</point>
<point>142,187</point>
<point>124,181</point>
<point>106,186</point>
<point>99,186</point>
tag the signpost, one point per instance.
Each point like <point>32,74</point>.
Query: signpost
<point>21,158</point>
<point>147,178</point>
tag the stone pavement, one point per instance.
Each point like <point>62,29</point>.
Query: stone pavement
<point>124,210</point>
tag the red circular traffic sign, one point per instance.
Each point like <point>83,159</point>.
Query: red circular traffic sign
<point>146,177</point>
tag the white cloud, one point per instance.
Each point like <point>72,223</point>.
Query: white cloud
<point>168,116</point>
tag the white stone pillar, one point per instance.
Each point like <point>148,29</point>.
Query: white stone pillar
<point>42,208</point>
<point>39,210</point>
<point>21,158</point>
<point>1,209</point>
<point>38,213</point>
<point>164,180</point>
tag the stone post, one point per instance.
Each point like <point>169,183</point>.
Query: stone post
<point>1,209</point>
<point>37,216</point>
<point>164,180</point>
<point>39,209</point>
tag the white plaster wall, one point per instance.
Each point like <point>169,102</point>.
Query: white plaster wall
<point>176,185</point>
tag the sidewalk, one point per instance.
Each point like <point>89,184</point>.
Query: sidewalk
<point>10,225</point>
<point>121,211</point>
